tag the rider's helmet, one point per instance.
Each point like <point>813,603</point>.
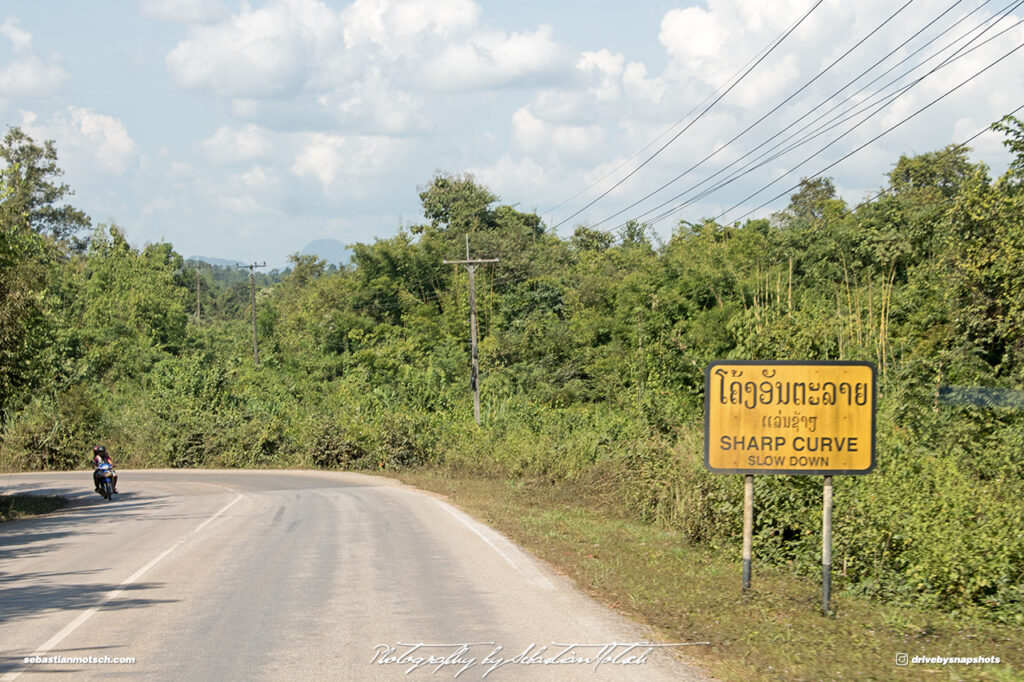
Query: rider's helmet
<point>99,450</point>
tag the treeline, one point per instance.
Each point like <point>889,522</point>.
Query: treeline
<point>592,356</point>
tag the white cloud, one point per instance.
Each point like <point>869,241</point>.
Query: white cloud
<point>369,66</point>
<point>256,53</point>
<point>391,25</point>
<point>556,142</point>
<point>529,131</point>
<point>374,105</point>
<point>184,11</point>
<point>509,177</point>
<point>27,74</point>
<point>238,146</point>
<point>31,77</point>
<point>105,135</point>
<point>91,141</point>
<point>21,40</point>
<point>639,86</point>
<point>492,60</point>
<point>347,165</point>
<point>241,204</point>
<point>609,68</point>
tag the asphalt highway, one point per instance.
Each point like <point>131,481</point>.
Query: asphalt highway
<point>249,575</point>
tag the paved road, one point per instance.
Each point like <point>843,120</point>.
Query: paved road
<point>243,575</point>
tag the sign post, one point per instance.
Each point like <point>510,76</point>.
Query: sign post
<point>748,527</point>
<point>826,545</point>
<point>791,418</point>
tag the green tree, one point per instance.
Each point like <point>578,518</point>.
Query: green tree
<point>1013,128</point>
<point>26,322</point>
<point>33,196</point>
<point>457,204</point>
<point>131,306</point>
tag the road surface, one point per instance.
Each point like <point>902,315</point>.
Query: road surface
<point>246,575</point>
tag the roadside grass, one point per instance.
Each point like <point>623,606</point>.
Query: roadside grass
<point>692,593</point>
<point>19,506</point>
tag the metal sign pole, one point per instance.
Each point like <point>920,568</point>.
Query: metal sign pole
<point>795,417</point>
<point>748,527</point>
<point>826,547</point>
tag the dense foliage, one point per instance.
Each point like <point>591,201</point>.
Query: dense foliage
<point>592,353</point>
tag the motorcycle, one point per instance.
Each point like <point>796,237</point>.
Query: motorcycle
<point>106,480</point>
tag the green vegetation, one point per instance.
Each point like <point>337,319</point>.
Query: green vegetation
<point>690,592</point>
<point>19,506</point>
<point>592,354</point>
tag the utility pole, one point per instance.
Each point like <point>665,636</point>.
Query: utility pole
<point>252,287</point>
<point>474,374</point>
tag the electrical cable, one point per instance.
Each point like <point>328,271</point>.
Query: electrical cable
<point>664,133</point>
<point>952,149</point>
<point>770,112</point>
<point>821,130</point>
<point>836,121</point>
<point>699,116</point>
<point>872,140</point>
<point>832,124</point>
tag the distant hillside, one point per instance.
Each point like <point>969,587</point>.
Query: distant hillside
<point>331,250</point>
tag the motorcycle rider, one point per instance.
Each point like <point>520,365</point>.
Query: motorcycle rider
<point>99,456</point>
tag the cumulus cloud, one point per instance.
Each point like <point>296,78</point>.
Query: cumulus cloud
<point>639,86</point>
<point>105,135</point>
<point>31,77</point>
<point>493,60</point>
<point>375,105</point>
<point>256,53</point>
<point>21,40</point>
<point>349,165</point>
<point>27,74</point>
<point>555,141</point>
<point>340,59</point>
<point>391,25</point>
<point>608,67</point>
<point>92,141</point>
<point>509,177</point>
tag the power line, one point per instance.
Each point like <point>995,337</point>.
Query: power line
<point>682,118</point>
<point>750,167</point>
<point>952,149</point>
<point>874,139</point>
<point>769,113</point>
<point>845,116</point>
<point>699,116</point>
<point>832,124</point>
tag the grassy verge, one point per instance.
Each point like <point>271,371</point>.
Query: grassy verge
<point>19,506</point>
<point>692,593</point>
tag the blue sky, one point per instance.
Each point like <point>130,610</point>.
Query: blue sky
<point>245,130</point>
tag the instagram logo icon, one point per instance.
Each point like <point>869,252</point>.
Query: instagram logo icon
<point>902,659</point>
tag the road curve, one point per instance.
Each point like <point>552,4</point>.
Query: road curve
<point>233,575</point>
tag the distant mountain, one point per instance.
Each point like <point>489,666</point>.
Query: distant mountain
<point>331,250</point>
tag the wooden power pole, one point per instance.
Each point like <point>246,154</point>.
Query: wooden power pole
<point>252,287</point>
<point>474,373</point>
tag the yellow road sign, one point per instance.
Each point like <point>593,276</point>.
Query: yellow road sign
<point>787,417</point>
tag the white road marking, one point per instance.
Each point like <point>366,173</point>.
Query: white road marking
<point>529,572</point>
<point>113,594</point>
